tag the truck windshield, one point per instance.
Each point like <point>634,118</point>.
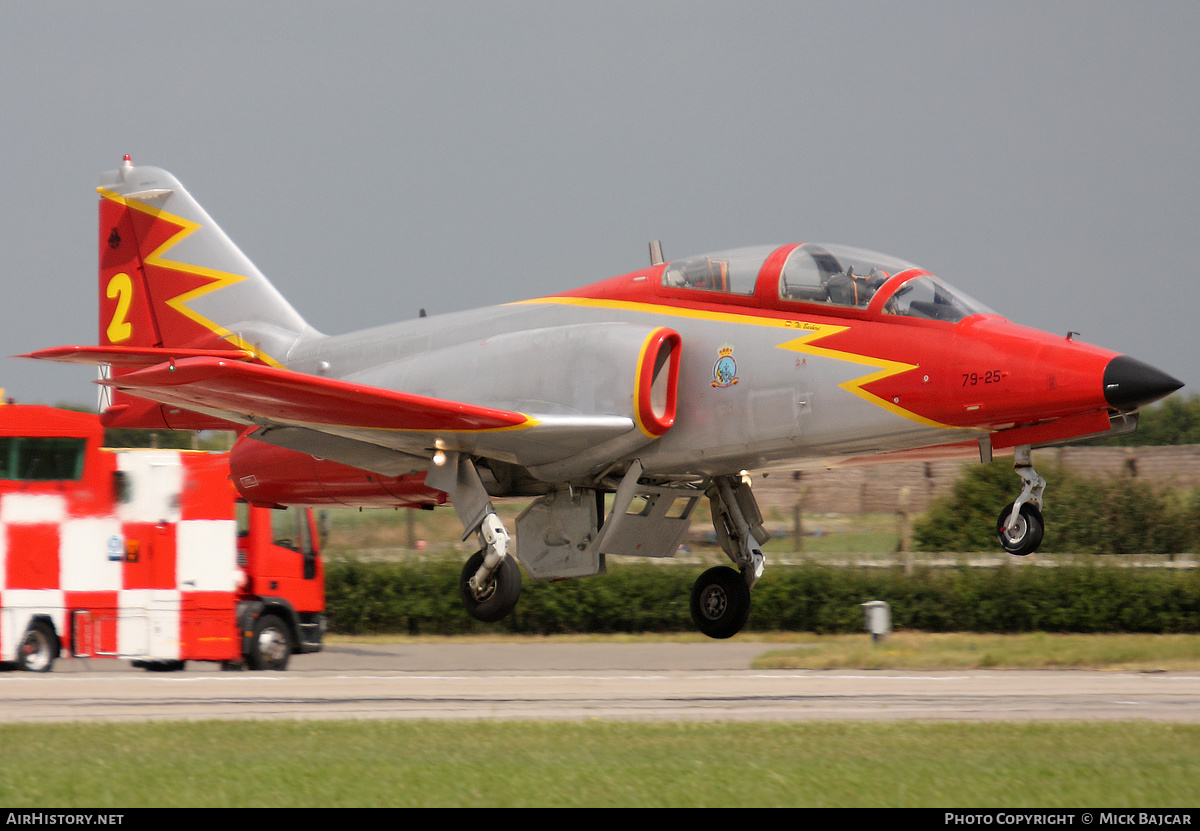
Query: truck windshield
<point>289,529</point>
<point>37,459</point>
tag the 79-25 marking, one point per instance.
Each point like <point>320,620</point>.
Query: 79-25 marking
<point>992,376</point>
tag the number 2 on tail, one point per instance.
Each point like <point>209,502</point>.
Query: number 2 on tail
<point>120,287</point>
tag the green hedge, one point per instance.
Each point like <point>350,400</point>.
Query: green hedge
<point>1112,515</point>
<point>423,599</point>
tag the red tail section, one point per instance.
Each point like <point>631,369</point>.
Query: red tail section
<point>128,319</point>
<point>171,285</point>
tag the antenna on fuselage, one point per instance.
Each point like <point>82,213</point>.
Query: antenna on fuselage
<point>656,257</point>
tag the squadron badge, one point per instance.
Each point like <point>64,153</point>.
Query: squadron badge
<point>725,369</point>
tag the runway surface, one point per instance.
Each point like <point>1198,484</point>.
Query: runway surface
<point>663,681</point>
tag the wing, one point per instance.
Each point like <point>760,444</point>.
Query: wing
<point>364,420</point>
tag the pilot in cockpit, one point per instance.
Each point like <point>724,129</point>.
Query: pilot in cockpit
<point>846,288</point>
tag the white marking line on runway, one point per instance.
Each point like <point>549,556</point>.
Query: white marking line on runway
<point>400,675</point>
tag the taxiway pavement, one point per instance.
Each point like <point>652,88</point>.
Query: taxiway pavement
<point>555,680</point>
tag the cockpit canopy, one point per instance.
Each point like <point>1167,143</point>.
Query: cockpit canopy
<point>828,275</point>
<point>734,272</point>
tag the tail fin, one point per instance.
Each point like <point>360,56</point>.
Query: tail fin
<point>170,277</point>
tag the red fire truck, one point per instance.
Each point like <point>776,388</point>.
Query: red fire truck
<point>145,555</point>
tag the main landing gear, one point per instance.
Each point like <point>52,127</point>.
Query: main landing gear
<point>490,584</point>
<point>490,592</point>
<point>720,601</point>
<point>562,537</point>
<point>1020,525</point>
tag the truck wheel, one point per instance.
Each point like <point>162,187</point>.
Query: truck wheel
<point>38,648</point>
<point>271,646</point>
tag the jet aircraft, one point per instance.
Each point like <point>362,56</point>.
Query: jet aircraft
<point>657,388</point>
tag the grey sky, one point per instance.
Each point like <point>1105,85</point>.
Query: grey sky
<point>376,158</point>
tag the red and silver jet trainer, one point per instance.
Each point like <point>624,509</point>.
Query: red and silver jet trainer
<point>661,387</point>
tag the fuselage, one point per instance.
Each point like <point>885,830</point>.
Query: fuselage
<point>788,355</point>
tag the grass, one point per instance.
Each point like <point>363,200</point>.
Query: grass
<point>1037,650</point>
<point>598,764</point>
<point>837,534</point>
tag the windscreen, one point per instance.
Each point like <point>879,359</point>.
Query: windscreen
<point>929,298</point>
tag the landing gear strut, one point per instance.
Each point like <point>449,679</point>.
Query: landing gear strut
<point>720,601</point>
<point>490,584</point>
<point>1020,525</point>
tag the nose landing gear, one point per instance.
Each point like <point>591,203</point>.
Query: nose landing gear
<point>1020,526</point>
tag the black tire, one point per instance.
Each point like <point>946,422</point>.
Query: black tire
<point>720,602</point>
<point>271,646</point>
<point>499,597</point>
<point>1027,536</point>
<point>38,649</point>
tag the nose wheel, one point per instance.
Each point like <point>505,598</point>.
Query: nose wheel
<point>1020,534</point>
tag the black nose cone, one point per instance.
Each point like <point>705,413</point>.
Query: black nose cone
<point>1129,384</point>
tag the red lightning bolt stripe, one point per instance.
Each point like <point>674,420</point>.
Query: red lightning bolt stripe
<point>215,280</point>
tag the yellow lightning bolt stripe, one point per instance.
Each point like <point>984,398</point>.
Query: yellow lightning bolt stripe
<point>886,369</point>
<point>218,279</point>
<point>803,344</point>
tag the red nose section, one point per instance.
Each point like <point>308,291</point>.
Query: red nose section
<point>1036,376</point>
<point>997,375</point>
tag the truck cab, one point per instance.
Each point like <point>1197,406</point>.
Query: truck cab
<point>281,594</point>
